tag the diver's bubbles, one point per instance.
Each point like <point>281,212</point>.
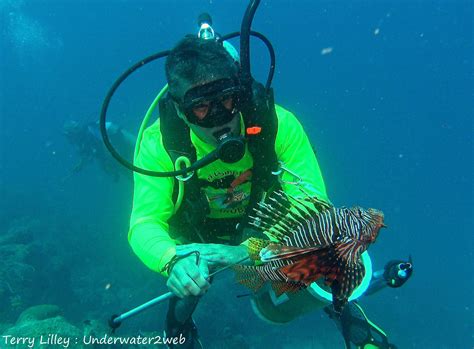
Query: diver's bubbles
<point>28,41</point>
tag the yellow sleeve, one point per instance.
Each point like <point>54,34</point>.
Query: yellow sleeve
<point>293,148</point>
<point>152,204</point>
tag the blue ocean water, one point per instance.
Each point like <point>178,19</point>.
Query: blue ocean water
<point>382,89</point>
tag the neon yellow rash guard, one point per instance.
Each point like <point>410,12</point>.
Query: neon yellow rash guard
<point>152,200</point>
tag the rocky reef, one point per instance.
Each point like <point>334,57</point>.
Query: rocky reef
<point>43,326</point>
<point>16,271</point>
<point>57,280</point>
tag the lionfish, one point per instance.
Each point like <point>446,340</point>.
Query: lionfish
<point>313,240</point>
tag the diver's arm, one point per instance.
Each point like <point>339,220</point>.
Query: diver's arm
<point>76,168</point>
<point>79,165</point>
<point>294,149</point>
<point>152,205</point>
<point>152,244</point>
<point>128,138</point>
<point>72,171</point>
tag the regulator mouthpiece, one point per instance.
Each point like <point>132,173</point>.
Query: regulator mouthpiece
<point>231,149</point>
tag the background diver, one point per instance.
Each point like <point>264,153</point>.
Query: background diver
<point>206,107</point>
<point>86,139</point>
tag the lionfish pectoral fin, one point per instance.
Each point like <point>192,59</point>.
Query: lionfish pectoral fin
<point>329,278</point>
<point>274,252</point>
<point>319,263</point>
<point>349,279</point>
<point>280,287</point>
<point>253,278</point>
<point>248,276</point>
<point>349,250</point>
<point>338,302</point>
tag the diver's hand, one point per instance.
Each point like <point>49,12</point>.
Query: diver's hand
<point>187,278</point>
<point>216,254</point>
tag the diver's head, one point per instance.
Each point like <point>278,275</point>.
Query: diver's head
<point>71,127</point>
<point>204,84</point>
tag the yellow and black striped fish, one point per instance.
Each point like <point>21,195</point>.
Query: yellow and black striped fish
<point>313,240</point>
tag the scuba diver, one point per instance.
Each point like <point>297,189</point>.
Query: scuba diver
<point>204,103</point>
<point>219,147</point>
<point>85,137</point>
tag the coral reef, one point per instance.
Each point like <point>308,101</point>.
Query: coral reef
<point>39,312</point>
<point>16,273</point>
<point>42,326</point>
<point>43,331</point>
<point>55,264</point>
<point>33,258</point>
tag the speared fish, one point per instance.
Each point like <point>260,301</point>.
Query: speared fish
<point>312,240</point>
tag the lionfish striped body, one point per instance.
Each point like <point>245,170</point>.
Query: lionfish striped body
<point>313,240</point>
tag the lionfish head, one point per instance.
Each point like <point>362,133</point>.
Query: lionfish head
<point>377,218</point>
<point>374,222</point>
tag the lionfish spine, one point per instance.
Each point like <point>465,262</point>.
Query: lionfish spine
<point>298,223</point>
<point>268,228</point>
<point>320,205</point>
<point>263,225</point>
<point>279,206</point>
<point>318,229</point>
<point>268,208</point>
<point>271,214</point>
<point>276,215</point>
<point>261,214</point>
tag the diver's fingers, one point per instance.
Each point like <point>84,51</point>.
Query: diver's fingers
<point>189,287</point>
<point>190,280</point>
<point>204,268</point>
<point>177,274</point>
<point>199,274</point>
<point>181,250</point>
<point>173,286</point>
<point>205,250</point>
<point>200,282</point>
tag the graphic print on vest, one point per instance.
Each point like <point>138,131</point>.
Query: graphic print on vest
<point>232,197</point>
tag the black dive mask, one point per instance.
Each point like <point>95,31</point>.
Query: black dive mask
<point>213,104</point>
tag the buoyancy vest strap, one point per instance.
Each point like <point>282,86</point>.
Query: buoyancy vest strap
<point>177,142</point>
<point>174,132</point>
<point>262,146</point>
